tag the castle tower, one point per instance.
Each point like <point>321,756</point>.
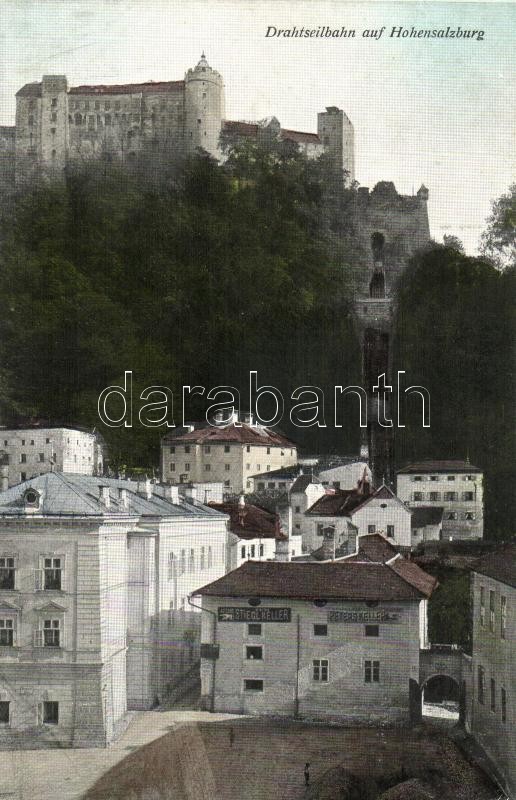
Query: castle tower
<point>336,133</point>
<point>54,123</point>
<point>204,108</point>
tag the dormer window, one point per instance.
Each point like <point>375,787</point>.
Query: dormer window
<point>31,499</point>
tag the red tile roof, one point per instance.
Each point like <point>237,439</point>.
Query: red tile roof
<point>240,434</point>
<point>439,466</point>
<point>252,129</point>
<point>250,521</point>
<point>331,580</point>
<point>340,504</point>
<point>414,575</point>
<point>149,87</point>
<point>300,136</point>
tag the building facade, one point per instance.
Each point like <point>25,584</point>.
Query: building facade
<point>332,640</point>
<point>231,453</point>
<point>95,576</point>
<point>493,709</point>
<point>456,486</point>
<point>57,124</point>
<point>28,452</point>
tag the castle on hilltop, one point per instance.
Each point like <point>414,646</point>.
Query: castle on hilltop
<point>57,125</point>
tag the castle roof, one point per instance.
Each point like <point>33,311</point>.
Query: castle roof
<point>30,90</point>
<point>252,129</point>
<point>149,87</point>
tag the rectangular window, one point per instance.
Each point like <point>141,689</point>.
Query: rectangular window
<point>242,551</point>
<point>482,606</point>
<point>51,633</point>
<point>23,458</point>
<point>6,632</point>
<point>480,685</point>
<point>172,450</point>
<point>203,558</point>
<point>227,448</point>
<point>451,477</point>
<point>503,616</point>
<point>470,515</point>
<point>372,672</point>
<point>191,560</point>
<point>4,712</point>
<point>187,467</point>
<point>261,550</point>
<point>52,573</point>
<point>435,496</point>
<point>187,448</point>
<point>253,686</point>
<point>7,573</point>
<point>418,496</point>
<point>207,448</point>
<point>320,670</point>
<point>493,694</point>
<point>248,448</point>
<point>254,629</point>
<point>50,712</point>
<point>390,531</point>
<point>418,477</point>
<point>23,476</point>
<point>253,550</point>
<point>254,653</point>
<point>171,566</point>
<point>434,478</point>
<point>491,611</point>
<point>172,467</point>
<point>449,496</point>
<point>227,467</point>
<point>467,496</point>
<point>182,563</point>
<point>53,117</point>
<point>227,483</point>
<point>503,703</point>
<point>248,466</point>
<point>320,630</point>
<point>261,486</point>
<point>268,451</point>
<point>42,457</point>
<point>372,630</point>
<point>451,515</point>
<point>207,467</point>
<point>298,509</point>
<point>371,528</point>
<point>210,557</point>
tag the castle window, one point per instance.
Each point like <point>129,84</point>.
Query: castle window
<point>78,119</point>
<point>54,102</point>
<point>377,245</point>
<point>91,122</point>
<point>199,121</point>
<point>53,117</point>
<point>107,105</point>
<point>107,119</point>
<point>204,95</point>
<point>97,105</point>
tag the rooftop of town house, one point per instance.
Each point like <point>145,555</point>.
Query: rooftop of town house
<point>500,564</point>
<point>374,547</point>
<point>327,580</point>
<point>62,495</point>
<point>228,433</point>
<point>250,521</point>
<point>438,466</point>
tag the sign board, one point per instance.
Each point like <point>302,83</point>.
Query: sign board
<point>366,615</point>
<point>239,614</point>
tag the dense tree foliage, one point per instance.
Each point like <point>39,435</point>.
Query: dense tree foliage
<point>498,242</point>
<point>453,336</point>
<point>195,279</point>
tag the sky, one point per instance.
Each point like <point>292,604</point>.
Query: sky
<point>432,111</point>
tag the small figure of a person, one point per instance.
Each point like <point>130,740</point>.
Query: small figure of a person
<point>231,737</point>
<point>307,774</point>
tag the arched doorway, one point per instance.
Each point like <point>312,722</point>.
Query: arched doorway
<point>441,698</point>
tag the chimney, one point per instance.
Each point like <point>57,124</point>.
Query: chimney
<point>191,492</point>
<point>328,544</point>
<point>148,489</point>
<point>241,510</point>
<point>282,551</point>
<point>172,493</point>
<point>104,497</point>
<point>124,500</point>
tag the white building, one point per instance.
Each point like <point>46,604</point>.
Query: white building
<point>28,452</point>
<point>95,576</point>
<point>457,486</point>
<point>305,490</point>
<point>231,452</point>
<point>336,640</point>
<point>357,513</point>
<point>344,475</point>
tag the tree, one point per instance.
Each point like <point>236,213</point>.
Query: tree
<point>498,241</point>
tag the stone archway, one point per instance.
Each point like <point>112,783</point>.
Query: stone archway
<point>443,696</point>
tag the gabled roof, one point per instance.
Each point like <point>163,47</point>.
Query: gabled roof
<point>250,521</point>
<point>439,466</point>
<point>302,483</point>
<point>204,433</point>
<point>383,493</point>
<point>30,90</point>
<point>149,87</point>
<point>339,504</point>
<point>500,565</point>
<point>283,473</point>
<point>80,496</point>
<point>330,580</point>
<point>426,515</point>
<point>374,547</point>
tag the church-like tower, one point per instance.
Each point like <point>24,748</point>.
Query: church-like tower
<point>204,108</point>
